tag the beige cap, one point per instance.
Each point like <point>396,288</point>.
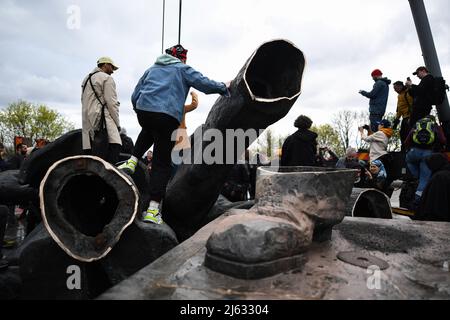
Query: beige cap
<point>107,60</point>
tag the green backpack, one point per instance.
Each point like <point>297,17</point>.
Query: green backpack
<point>424,133</point>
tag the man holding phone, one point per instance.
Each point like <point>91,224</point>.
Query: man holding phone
<point>422,95</point>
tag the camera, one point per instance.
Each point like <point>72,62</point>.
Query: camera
<point>366,126</point>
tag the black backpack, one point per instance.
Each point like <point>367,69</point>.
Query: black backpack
<point>439,91</point>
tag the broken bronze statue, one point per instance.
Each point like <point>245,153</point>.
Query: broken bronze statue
<point>293,207</point>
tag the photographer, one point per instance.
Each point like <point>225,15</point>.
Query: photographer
<point>378,146</point>
<point>378,141</point>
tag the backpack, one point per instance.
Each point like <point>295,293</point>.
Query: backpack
<point>439,91</point>
<point>424,132</point>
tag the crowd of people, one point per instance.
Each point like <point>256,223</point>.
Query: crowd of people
<point>9,223</point>
<point>421,136</point>
<point>422,144</point>
<point>158,101</point>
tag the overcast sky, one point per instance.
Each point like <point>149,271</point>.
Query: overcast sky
<point>46,51</point>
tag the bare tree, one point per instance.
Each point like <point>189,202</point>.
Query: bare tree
<point>346,124</point>
<point>394,143</point>
<point>362,118</point>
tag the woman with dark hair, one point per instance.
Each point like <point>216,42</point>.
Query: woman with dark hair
<point>300,148</point>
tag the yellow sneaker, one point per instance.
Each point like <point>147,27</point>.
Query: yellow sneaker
<point>128,166</point>
<point>153,216</point>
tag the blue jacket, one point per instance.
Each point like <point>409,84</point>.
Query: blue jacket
<point>165,85</point>
<point>378,96</point>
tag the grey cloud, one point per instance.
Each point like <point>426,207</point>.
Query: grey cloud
<point>44,61</point>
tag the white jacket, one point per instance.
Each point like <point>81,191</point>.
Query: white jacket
<point>92,109</point>
<point>378,144</point>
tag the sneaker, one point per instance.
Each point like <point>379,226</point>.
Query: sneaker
<point>9,243</point>
<point>128,166</point>
<point>153,216</point>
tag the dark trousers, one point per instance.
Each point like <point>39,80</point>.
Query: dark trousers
<point>387,161</point>
<point>12,225</point>
<point>374,119</point>
<point>3,219</point>
<point>404,131</point>
<point>112,155</point>
<point>417,114</point>
<point>157,129</point>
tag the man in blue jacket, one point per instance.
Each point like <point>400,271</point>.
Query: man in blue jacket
<point>158,100</point>
<point>378,98</point>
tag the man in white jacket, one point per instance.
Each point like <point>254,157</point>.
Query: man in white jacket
<point>99,91</point>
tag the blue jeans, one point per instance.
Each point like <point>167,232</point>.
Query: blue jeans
<point>415,160</point>
<point>374,119</point>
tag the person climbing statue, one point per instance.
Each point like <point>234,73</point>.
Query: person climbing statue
<point>158,100</point>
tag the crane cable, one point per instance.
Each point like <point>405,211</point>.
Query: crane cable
<point>164,14</point>
<point>179,24</point>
